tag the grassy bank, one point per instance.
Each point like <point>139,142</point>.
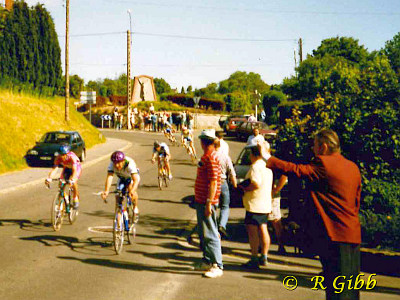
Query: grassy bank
<point>23,121</point>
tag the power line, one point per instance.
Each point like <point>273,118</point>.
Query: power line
<point>183,65</point>
<point>258,10</point>
<point>183,37</point>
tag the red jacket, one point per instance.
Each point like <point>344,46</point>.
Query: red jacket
<point>335,190</point>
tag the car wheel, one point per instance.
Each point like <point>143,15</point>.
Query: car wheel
<point>83,156</point>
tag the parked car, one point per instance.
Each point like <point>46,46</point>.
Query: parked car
<point>242,166</point>
<point>222,120</point>
<point>231,125</point>
<point>46,149</point>
<point>245,129</point>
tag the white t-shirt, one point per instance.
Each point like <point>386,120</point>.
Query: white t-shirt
<point>224,146</point>
<point>128,169</point>
<point>259,200</point>
<point>254,140</point>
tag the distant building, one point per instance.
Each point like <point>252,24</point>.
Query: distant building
<point>143,89</point>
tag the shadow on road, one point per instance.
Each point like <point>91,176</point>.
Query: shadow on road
<point>24,224</point>
<point>185,270</point>
<point>91,245</point>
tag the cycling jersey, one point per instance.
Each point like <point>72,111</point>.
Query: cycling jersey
<point>164,150</point>
<point>187,134</point>
<point>127,170</point>
<point>67,161</point>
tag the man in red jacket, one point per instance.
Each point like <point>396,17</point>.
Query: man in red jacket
<point>334,187</point>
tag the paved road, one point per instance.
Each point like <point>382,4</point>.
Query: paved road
<point>78,263</point>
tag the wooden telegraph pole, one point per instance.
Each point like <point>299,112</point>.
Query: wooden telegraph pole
<point>128,78</point>
<point>301,50</point>
<point>67,63</point>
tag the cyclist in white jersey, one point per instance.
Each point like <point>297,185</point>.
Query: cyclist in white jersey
<point>161,151</point>
<point>128,177</point>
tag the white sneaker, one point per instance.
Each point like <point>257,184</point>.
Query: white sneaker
<point>214,272</point>
<point>170,177</point>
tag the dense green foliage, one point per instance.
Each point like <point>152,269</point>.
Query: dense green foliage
<point>355,93</point>
<point>161,86</point>
<point>30,56</point>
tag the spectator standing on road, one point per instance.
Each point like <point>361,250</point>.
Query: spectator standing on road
<point>120,121</point>
<point>207,191</point>
<point>115,116</point>
<point>224,147</point>
<point>275,215</point>
<point>256,138</point>
<point>334,188</point>
<point>257,202</point>
<point>151,108</point>
<point>227,173</point>
<point>252,118</point>
<point>153,119</point>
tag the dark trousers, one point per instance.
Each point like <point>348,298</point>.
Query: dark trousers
<point>340,259</point>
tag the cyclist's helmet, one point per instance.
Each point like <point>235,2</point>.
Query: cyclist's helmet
<point>156,144</point>
<point>64,149</point>
<point>117,156</point>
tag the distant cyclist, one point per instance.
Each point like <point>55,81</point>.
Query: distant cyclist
<point>168,131</point>
<point>187,136</point>
<point>161,151</point>
<point>128,178</point>
<point>72,170</point>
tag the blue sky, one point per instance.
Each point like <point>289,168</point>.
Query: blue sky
<point>197,62</point>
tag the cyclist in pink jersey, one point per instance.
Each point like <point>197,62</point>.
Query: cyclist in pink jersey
<point>72,170</point>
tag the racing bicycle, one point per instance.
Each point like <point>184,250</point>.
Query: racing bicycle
<point>62,205</point>
<point>124,221</point>
<point>186,145</point>
<point>162,173</point>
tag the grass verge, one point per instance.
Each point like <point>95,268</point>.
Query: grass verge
<point>24,119</point>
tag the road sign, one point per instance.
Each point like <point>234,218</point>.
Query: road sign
<point>88,97</point>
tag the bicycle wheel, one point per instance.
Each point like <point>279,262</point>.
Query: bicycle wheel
<point>159,178</point>
<point>57,212</point>
<point>165,179</point>
<point>73,213</point>
<point>118,231</point>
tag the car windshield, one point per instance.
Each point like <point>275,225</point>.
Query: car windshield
<point>55,138</point>
<point>244,158</point>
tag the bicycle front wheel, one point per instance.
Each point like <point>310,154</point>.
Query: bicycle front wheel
<point>118,232</point>
<point>57,212</point>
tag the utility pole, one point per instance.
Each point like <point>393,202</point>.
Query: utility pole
<point>67,63</point>
<point>128,71</point>
<point>301,50</point>
<point>128,79</point>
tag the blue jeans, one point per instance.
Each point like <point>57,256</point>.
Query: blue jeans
<point>224,200</point>
<point>207,229</point>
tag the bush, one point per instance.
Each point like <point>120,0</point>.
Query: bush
<point>380,214</point>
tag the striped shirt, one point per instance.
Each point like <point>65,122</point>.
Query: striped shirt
<point>209,169</point>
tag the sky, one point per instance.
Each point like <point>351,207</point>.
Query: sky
<point>199,42</point>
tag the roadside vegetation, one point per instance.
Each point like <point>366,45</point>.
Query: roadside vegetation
<point>24,119</point>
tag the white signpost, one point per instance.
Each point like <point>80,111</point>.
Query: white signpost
<point>88,98</point>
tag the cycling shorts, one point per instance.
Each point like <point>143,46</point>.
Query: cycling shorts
<point>168,130</point>
<point>187,139</point>
<point>67,172</point>
<point>123,184</point>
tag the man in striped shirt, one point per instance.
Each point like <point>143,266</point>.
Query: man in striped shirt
<point>207,191</point>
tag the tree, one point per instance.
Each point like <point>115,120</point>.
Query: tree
<point>392,51</point>
<point>161,86</point>
<point>346,47</point>
<point>242,81</point>
<point>182,90</point>
<point>189,89</point>
<point>271,101</point>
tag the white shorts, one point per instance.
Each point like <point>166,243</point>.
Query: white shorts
<point>275,214</point>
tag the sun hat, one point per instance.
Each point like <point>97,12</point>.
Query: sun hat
<point>208,134</point>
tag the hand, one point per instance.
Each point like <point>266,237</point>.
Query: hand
<point>47,182</point>
<point>207,211</point>
<point>104,196</point>
<point>71,181</point>
<point>153,160</point>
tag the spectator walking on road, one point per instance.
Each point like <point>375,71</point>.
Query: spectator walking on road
<point>256,138</point>
<point>257,202</point>
<point>207,191</point>
<point>227,173</point>
<point>334,187</point>
<point>224,147</point>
